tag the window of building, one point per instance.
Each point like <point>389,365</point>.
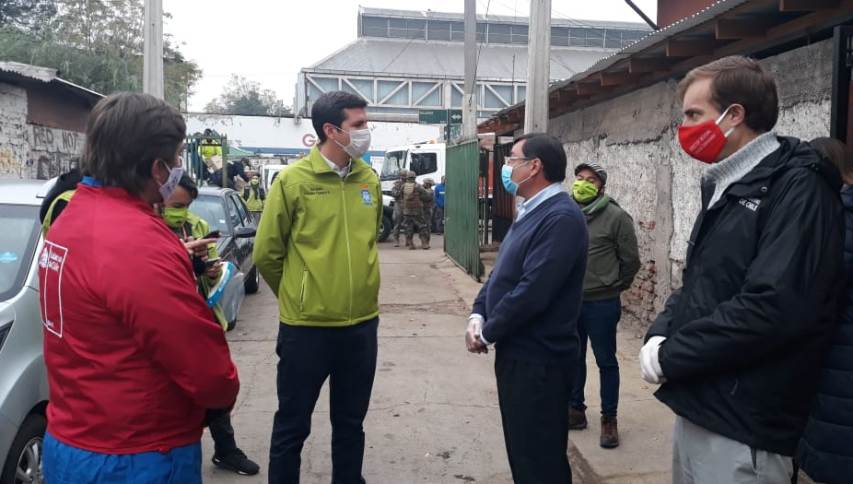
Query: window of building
<point>577,37</point>
<point>437,30</point>
<point>560,36</point>
<point>457,31</point>
<point>397,28</point>
<point>500,34</point>
<point>424,163</point>
<point>613,39</point>
<point>374,27</point>
<point>519,34</point>
<point>595,38</point>
<point>416,29</point>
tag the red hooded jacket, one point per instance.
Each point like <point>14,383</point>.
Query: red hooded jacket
<point>133,354</point>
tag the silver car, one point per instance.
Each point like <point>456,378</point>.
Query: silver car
<point>23,380</point>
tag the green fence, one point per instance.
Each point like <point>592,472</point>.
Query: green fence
<point>461,231</point>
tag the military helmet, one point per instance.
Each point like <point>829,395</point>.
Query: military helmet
<point>429,181</point>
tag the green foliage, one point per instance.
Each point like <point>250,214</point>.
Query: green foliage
<point>95,43</point>
<point>244,97</point>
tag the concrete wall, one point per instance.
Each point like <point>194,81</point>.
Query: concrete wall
<point>29,149</point>
<point>13,126</point>
<point>634,138</point>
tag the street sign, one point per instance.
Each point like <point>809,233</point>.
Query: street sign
<point>440,116</point>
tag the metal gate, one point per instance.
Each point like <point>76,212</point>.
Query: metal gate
<point>503,210</point>
<point>461,212</point>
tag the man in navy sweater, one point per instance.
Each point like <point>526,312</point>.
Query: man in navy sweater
<point>529,309</point>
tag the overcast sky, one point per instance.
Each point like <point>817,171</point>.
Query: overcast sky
<point>270,41</point>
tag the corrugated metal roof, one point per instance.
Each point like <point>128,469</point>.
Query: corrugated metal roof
<point>458,17</point>
<point>42,74</point>
<point>431,59</point>
<point>687,23</point>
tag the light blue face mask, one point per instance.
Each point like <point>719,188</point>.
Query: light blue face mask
<point>506,178</point>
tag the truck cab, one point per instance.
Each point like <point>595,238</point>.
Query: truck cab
<point>427,160</point>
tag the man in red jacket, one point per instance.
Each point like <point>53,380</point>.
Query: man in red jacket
<point>133,354</point>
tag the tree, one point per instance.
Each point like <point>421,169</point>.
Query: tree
<point>94,43</point>
<point>29,15</point>
<point>244,97</point>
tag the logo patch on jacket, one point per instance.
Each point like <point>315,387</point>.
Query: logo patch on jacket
<point>750,203</point>
<point>366,197</point>
<point>316,190</point>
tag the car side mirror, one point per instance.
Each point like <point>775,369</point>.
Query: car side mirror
<point>245,232</point>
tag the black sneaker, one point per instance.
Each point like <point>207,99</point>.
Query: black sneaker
<point>237,462</point>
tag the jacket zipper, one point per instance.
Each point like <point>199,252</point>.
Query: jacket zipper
<point>346,232</point>
<point>302,290</point>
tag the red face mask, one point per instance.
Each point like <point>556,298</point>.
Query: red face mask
<point>704,141</point>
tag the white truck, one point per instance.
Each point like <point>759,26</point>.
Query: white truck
<point>427,160</point>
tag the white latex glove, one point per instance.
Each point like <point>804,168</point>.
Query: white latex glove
<point>649,363</point>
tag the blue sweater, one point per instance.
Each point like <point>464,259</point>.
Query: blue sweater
<point>532,298</point>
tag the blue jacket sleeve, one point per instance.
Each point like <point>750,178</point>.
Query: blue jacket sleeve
<point>558,247</point>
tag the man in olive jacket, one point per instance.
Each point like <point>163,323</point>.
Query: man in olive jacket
<point>316,248</point>
<point>613,261</point>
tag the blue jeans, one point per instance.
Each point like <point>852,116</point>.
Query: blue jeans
<point>64,464</point>
<point>597,323</point>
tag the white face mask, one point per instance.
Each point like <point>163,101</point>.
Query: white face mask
<point>171,183</point>
<point>359,142</point>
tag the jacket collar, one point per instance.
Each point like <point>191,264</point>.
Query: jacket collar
<point>319,165</point>
<point>792,153</point>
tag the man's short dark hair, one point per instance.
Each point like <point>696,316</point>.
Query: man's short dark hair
<point>548,149</point>
<point>329,108</point>
<point>189,185</point>
<point>125,133</point>
<point>739,80</point>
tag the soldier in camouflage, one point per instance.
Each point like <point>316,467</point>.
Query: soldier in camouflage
<point>415,197</point>
<point>397,193</point>
<point>429,207</point>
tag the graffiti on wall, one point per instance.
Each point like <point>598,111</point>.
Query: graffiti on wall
<point>9,163</point>
<point>53,151</point>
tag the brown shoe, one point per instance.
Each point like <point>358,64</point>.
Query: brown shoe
<point>577,419</point>
<point>609,433</point>
<point>425,247</point>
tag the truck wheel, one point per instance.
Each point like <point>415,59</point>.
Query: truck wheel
<point>24,463</point>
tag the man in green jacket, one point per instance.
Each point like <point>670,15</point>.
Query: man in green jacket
<point>613,261</point>
<point>316,247</point>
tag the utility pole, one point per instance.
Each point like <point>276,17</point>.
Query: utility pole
<point>469,100</point>
<point>152,81</point>
<point>538,67</point>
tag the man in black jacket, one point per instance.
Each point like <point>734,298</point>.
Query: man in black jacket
<point>739,347</point>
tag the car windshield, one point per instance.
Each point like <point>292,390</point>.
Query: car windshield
<point>211,209</point>
<point>18,240</point>
<point>394,161</point>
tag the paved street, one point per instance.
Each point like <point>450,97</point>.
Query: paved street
<point>434,416</point>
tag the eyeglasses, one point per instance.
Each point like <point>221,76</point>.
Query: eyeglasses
<point>512,159</point>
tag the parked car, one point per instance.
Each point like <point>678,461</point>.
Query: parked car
<point>224,210</point>
<point>23,379</point>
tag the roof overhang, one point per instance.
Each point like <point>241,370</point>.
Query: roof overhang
<point>727,27</point>
<point>24,73</point>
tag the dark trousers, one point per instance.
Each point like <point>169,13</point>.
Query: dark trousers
<point>533,399</point>
<point>219,423</point>
<point>597,323</point>
<point>438,220</point>
<point>307,356</point>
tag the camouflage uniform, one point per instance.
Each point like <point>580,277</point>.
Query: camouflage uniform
<point>414,199</point>
<point>429,207</point>
<point>397,193</point>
